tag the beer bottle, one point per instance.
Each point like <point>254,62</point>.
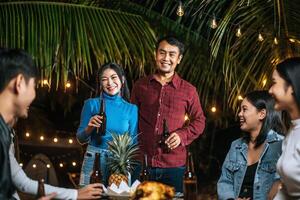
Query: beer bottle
<point>96,175</point>
<point>40,189</point>
<point>102,114</point>
<point>144,175</point>
<point>165,135</point>
<point>190,179</point>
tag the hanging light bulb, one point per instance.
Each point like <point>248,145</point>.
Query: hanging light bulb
<point>264,82</point>
<point>180,11</point>
<point>238,32</point>
<point>275,41</point>
<point>213,23</point>
<point>68,84</point>
<point>240,98</point>
<point>260,37</point>
<point>292,40</point>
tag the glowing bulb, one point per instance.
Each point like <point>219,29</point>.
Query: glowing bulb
<point>48,166</point>
<point>61,165</point>
<point>70,141</point>
<point>42,138</point>
<point>238,32</point>
<point>55,140</point>
<point>240,97</point>
<point>68,85</point>
<point>27,134</point>
<point>260,37</point>
<point>34,165</point>
<point>45,82</point>
<point>180,11</point>
<point>21,164</point>
<point>292,40</point>
<point>264,82</point>
<point>275,41</point>
<point>213,109</point>
<point>73,175</point>
<point>74,164</point>
<point>213,23</point>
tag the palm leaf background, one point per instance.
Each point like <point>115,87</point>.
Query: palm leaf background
<point>66,37</point>
<point>78,36</point>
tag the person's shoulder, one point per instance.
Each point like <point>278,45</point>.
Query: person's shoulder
<point>236,143</point>
<point>131,106</point>
<point>144,79</point>
<point>91,100</point>
<point>187,85</point>
<point>273,136</point>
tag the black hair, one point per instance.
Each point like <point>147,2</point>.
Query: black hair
<point>289,70</point>
<point>263,100</point>
<point>14,62</point>
<point>121,74</point>
<point>172,41</point>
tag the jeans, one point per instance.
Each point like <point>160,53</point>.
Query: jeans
<point>169,176</point>
<point>88,164</point>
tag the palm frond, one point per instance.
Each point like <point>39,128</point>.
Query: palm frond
<point>66,36</point>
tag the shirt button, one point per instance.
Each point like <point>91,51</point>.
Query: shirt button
<point>257,187</point>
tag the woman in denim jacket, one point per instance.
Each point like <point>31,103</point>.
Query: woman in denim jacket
<point>249,169</point>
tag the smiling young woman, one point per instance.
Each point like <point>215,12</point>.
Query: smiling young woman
<point>121,117</point>
<point>249,169</point>
<point>286,91</point>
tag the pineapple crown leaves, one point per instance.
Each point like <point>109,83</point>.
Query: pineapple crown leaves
<point>124,153</point>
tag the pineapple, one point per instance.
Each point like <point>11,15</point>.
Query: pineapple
<point>123,157</point>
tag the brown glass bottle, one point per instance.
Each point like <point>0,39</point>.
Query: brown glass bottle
<point>145,175</point>
<point>164,137</point>
<point>102,114</point>
<point>96,175</point>
<point>40,189</point>
<point>190,179</point>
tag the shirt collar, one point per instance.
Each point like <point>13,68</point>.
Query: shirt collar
<point>175,80</point>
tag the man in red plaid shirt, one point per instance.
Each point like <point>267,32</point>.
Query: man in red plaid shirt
<point>164,95</point>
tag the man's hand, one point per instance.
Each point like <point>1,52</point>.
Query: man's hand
<point>91,191</point>
<point>173,141</point>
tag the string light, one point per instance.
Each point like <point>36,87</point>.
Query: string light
<point>74,163</point>
<point>68,85</point>
<point>45,82</point>
<point>180,11</point>
<point>34,165</point>
<point>55,140</point>
<point>21,164</point>
<point>238,32</point>
<point>70,141</point>
<point>240,98</point>
<point>27,134</point>
<point>292,40</point>
<point>61,165</point>
<point>213,23</point>
<point>260,37</point>
<point>264,82</point>
<point>275,41</point>
<point>42,138</point>
<point>48,166</point>
<point>213,109</point>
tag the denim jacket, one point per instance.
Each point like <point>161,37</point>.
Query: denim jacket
<point>235,166</point>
